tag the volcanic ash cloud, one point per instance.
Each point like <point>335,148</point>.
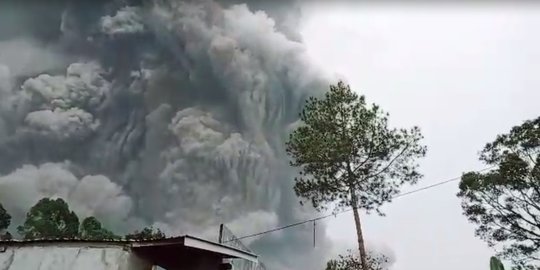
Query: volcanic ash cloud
<point>173,113</point>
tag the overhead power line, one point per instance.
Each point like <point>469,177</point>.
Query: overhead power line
<point>440,183</point>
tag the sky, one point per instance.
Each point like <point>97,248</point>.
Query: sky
<point>463,74</point>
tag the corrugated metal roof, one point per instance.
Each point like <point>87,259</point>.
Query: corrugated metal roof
<point>180,241</point>
<point>78,240</point>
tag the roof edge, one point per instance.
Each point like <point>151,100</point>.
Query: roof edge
<point>186,241</point>
<point>195,242</point>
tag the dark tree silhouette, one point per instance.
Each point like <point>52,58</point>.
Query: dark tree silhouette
<point>147,233</point>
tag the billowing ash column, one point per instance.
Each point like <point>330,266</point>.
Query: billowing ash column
<point>173,113</point>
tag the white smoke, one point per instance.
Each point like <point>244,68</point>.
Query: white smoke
<point>61,124</point>
<point>5,83</point>
<point>24,57</point>
<point>257,221</point>
<point>57,108</point>
<point>126,21</point>
<point>5,93</point>
<point>83,86</point>
<point>89,195</point>
<point>209,167</point>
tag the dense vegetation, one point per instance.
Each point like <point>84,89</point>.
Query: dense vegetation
<point>52,219</point>
<point>504,202</point>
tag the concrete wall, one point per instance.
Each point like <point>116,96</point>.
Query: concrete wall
<point>69,258</point>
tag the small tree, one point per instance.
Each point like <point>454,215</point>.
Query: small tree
<point>347,154</point>
<point>5,221</point>
<point>352,262</point>
<point>92,229</point>
<point>147,233</point>
<point>50,219</point>
<point>505,202</point>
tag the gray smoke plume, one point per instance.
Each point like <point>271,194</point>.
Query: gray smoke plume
<point>165,113</point>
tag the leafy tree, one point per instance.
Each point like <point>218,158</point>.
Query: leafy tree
<point>347,154</point>
<point>91,229</point>
<point>5,221</point>
<point>504,202</point>
<point>147,233</point>
<point>50,219</point>
<point>351,262</point>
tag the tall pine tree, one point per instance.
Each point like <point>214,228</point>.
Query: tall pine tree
<point>348,155</point>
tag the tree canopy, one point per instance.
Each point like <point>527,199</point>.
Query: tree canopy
<point>5,218</point>
<point>5,221</point>
<point>351,262</point>
<point>148,233</point>
<point>50,218</point>
<point>348,155</point>
<point>92,229</point>
<point>504,202</point>
<point>345,148</point>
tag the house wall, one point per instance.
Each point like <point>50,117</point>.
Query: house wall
<point>69,258</point>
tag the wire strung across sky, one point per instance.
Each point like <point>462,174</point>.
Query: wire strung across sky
<point>350,209</point>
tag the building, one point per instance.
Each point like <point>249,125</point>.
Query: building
<point>185,253</point>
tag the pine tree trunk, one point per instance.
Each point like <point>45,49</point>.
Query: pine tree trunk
<point>361,246</point>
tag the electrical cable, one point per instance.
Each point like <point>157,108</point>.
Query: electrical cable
<point>350,209</point>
